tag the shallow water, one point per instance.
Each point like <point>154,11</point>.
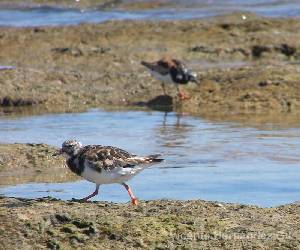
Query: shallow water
<point>40,16</point>
<point>221,161</point>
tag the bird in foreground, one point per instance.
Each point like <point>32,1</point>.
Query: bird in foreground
<point>105,164</point>
<point>171,71</point>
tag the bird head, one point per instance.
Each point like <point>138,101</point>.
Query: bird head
<point>192,77</point>
<point>69,147</point>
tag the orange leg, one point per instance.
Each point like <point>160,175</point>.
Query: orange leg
<point>93,194</point>
<point>133,199</point>
<point>164,88</point>
<point>181,95</point>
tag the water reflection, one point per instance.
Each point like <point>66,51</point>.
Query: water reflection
<point>174,131</point>
<point>205,159</point>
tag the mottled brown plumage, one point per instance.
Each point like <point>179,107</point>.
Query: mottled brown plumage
<point>108,158</point>
<point>169,70</point>
<point>105,164</point>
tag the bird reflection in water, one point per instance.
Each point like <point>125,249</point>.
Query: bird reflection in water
<point>174,131</point>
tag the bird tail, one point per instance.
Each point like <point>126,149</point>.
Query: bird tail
<point>147,160</point>
<point>140,163</point>
<point>147,65</point>
<point>153,158</point>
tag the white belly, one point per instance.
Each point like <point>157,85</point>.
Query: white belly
<point>164,78</point>
<point>105,177</point>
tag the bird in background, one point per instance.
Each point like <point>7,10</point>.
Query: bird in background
<point>171,71</point>
<point>105,164</point>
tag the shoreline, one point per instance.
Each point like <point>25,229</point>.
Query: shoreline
<point>123,203</point>
<point>25,163</point>
<point>56,224</point>
<point>131,5</point>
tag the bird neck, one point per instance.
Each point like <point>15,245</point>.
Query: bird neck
<point>75,165</point>
<point>72,154</point>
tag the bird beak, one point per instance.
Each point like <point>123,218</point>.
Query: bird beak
<point>58,152</point>
<point>195,80</point>
<point>193,77</point>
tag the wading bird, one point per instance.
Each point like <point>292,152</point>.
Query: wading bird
<point>105,164</point>
<point>171,71</point>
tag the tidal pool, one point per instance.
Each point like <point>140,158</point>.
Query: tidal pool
<point>223,161</point>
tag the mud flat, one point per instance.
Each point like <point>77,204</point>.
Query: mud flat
<point>246,66</point>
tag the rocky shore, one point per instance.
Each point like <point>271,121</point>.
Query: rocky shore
<point>23,163</point>
<point>54,224</point>
<point>247,65</point>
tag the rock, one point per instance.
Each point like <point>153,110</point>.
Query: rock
<point>176,223</point>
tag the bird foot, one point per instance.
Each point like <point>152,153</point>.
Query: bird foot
<point>79,200</point>
<point>134,201</point>
<point>183,97</point>
<point>86,199</point>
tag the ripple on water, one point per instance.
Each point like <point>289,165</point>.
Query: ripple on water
<point>44,15</point>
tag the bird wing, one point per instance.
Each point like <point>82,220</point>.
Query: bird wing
<point>160,66</point>
<point>106,158</point>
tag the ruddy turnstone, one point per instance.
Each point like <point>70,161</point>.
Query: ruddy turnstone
<point>168,70</point>
<point>104,164</point>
